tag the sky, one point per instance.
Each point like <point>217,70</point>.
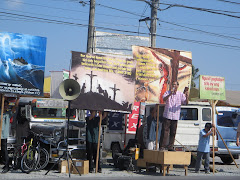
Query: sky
<point>213,38</point>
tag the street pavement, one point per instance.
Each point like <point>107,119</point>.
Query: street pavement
<point>109,172</point>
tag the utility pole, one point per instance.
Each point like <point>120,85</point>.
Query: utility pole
<point>91,26</point>
<point>153,28</point>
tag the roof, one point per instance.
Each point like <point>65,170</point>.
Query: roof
<point>233,98</point>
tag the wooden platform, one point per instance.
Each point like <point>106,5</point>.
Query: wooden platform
<point>167,159</point>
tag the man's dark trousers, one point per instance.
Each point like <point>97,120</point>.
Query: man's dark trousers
<point>5,152</point>
<point>169,128</point>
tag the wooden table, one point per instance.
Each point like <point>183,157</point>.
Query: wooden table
<point>166,159</point>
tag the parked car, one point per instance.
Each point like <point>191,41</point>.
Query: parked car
<point>227,121</point>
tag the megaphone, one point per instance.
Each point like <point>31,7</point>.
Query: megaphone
<point>69,89</point>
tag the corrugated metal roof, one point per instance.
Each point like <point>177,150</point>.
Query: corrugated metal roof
<point>233,97</point>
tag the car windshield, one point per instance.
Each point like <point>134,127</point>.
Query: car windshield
<point>52,113</point>
<point>228,119</point>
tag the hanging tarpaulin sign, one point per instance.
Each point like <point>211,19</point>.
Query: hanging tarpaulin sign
<point>133,119</point>
<point>115,121</point>
<point>212,87</point>
<point>65,75</point>
<point>157,68</point>
<point>22,63</point>
<point>106,82</point>
<point>142,110</point>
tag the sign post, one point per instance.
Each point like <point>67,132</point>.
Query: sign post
<point>157,126</point>
<point>1,121</point>
<point>213,89</point>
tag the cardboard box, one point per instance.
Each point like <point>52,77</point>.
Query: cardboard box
<point>82,166</point>
<point>64,166</point>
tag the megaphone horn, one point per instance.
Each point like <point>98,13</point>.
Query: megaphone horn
<point>69,89</point>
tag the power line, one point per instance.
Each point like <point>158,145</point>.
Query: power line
<point>63,9</point>
<point>125,31</point>
<point>210,33</point>
<point>102,23</point>
<point>213,11</point>
<point>229,2</point>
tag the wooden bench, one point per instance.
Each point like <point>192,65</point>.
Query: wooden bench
<point>166,159</point>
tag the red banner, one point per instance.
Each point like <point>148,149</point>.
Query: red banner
<point>133,119</point>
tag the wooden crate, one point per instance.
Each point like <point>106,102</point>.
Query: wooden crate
<point>171,157</point>
<point>167,157</point>
<point>150,156</point>
<point>141,163</point>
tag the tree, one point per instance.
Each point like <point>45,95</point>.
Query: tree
<point>195,76</point>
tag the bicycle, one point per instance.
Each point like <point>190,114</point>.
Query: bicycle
<point>18,153</point>
<point>35,158</point>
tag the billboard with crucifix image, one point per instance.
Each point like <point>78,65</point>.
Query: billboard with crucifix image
<point>106,82</point>
<point>157,68</point>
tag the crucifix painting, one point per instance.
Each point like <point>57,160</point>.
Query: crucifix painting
<point>106,82</point>
<point>157,68</point>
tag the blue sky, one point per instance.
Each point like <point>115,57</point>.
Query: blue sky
<point>64,24</point>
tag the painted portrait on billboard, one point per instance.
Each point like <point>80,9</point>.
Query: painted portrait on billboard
<point>157,68</point>
<point>106,82</point>
<point>22,63</point>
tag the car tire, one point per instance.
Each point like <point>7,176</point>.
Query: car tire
<point>226,159</point>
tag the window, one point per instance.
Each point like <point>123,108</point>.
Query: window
<point>52,113</point>
<point>206,114</point>
<point>228,119</point>
<point>189,114</point>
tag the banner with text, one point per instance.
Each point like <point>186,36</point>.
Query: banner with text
<point>107,82</point>
<point>157,68</point>
<point>22,63</point>
<point>133,119</point>
<point>212,87</point>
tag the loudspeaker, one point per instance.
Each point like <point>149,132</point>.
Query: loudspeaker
<point>69,89</point>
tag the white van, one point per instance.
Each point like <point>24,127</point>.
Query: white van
<point>193,118</point>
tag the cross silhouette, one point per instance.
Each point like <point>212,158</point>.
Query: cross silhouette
<point>91,78</point>
<point>114,91</point>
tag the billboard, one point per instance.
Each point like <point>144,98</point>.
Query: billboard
<point>157,68</point>
<point>212,87</point>
<point>22,63</point>
<point>117,44</point>
<point>106,82</point>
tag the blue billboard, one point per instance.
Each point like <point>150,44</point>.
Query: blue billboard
<point>22,63</point>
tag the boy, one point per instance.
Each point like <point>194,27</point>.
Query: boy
<point>204,147</point>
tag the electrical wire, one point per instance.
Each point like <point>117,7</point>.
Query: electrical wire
<point>125,31</point>
<point>229,2</point>
<point>213,11</point>
<point>210,33</point>
<point>71,10</point>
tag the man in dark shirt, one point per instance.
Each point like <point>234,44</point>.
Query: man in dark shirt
<point>92,130</point>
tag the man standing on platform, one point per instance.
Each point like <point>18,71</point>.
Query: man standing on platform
<point>174,99</point>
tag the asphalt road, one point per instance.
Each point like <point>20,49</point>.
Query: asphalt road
<point>109,172</point>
